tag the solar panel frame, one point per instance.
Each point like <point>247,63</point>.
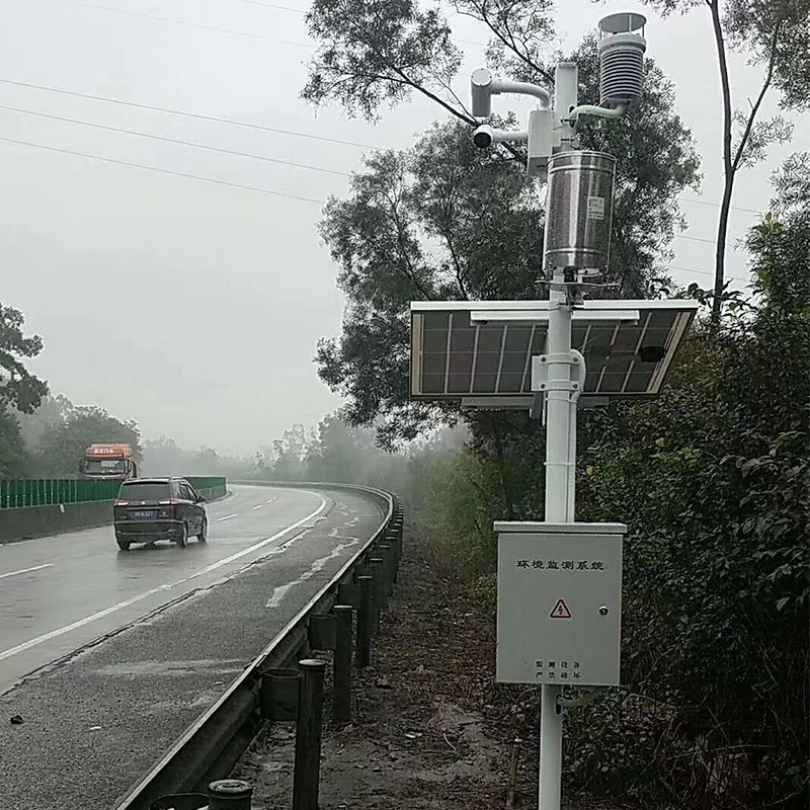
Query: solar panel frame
<point>479,351</point>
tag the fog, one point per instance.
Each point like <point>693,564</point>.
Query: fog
<point>194,307</point>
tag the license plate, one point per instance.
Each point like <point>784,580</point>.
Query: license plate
<point>142,514</point>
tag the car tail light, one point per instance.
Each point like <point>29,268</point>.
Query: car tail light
<point>169,509</point>
<point>121,503</point>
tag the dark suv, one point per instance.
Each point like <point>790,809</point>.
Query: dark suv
<point>151,509</point>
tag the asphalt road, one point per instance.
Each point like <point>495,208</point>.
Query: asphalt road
<point>107,657</point>
<point>59,592</point>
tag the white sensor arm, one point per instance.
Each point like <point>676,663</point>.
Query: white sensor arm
<point>592,109</point>
<point>483,86</point>
<point>499,86</point>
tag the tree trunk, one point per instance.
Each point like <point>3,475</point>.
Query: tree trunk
<point>720,250</point>
<point>728,166</point>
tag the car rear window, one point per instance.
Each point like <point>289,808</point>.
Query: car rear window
<point>146,491</point>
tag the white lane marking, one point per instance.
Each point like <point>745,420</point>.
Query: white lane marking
<point>258,506</point>
<point>26,570</point>
<point>281,591</point>
<point>227,517</point>
<point>80,623</point>
<point>258,545</point>
<point>26,645</point>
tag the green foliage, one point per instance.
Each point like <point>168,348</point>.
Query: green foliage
<point>713,483</point>
<point>14,459</point>
<point>62,446</point>
<point>451,508</point>
<point>19,389</point>
<point>447,220</point>
<point>374,52</point>
<point>164,457</point>
<point>713,480</point>
<point>437,221</point>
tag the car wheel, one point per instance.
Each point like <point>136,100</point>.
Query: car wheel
<point>182,541</point>
<point>123,545</point>
<point>203,535</point>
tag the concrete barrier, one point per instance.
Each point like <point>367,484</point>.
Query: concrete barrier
<point>27,522</point>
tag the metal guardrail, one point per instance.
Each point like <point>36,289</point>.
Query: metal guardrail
<point>212,745</point>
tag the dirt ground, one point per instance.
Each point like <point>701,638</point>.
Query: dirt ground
<point>430,729</point>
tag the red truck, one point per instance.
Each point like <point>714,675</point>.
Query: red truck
<point>109,462</point>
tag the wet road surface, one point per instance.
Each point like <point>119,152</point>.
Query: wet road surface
<point>97,720</point>
<point>58,593</point>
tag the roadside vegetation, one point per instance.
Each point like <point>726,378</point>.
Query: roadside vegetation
<point>712,479</point>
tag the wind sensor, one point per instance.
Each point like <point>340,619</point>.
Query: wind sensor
<point>552,126</point>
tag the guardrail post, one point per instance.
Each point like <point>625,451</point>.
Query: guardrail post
<point>229,794</point>
<point>279,694</point>
<point>388,569</point>
<point>378,575</point>
<point>342,676</point>
<point>307,773</point>
<point>393,541</point>
<point>365,620</point>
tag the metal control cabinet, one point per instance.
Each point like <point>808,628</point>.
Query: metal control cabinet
<point>559,603</point>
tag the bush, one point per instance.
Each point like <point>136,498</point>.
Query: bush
<point>712,480</point>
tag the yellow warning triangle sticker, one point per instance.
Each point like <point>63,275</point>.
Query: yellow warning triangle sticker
<point>560,610</point>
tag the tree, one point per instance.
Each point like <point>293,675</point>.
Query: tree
<point>335,455</point>
<point>163,457</point>
<point>15,461</point>
<point>374,60</point>
<point>379,52</point>
<point>19,388</point>
<point>290,451</point>
<point>777,35</point>
<point>63,444</point>
<point>20,391</point>
<point>447,220</point>
<point>479,208</point>
<point>52,410</point>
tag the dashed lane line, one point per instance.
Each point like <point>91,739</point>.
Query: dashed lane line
<point>27,570</point>
<point>26,645</point>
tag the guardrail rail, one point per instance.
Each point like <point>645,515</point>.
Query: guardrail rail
<point>212,745</point>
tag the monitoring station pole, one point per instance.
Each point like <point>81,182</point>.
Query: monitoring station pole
<point>559,580</point>
<point>560,419</point>
<point>577,239</point>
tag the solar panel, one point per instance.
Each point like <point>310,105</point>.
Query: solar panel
<point>480,351</point>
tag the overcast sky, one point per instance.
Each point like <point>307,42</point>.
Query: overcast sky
<point>194,307</point>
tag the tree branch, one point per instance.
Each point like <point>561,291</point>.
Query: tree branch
<point>410,272</point>
<point>483,17</point>
<point>456,264</point>
<point>755,109</point>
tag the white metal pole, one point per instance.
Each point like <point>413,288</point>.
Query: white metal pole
<point>558,425</point>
